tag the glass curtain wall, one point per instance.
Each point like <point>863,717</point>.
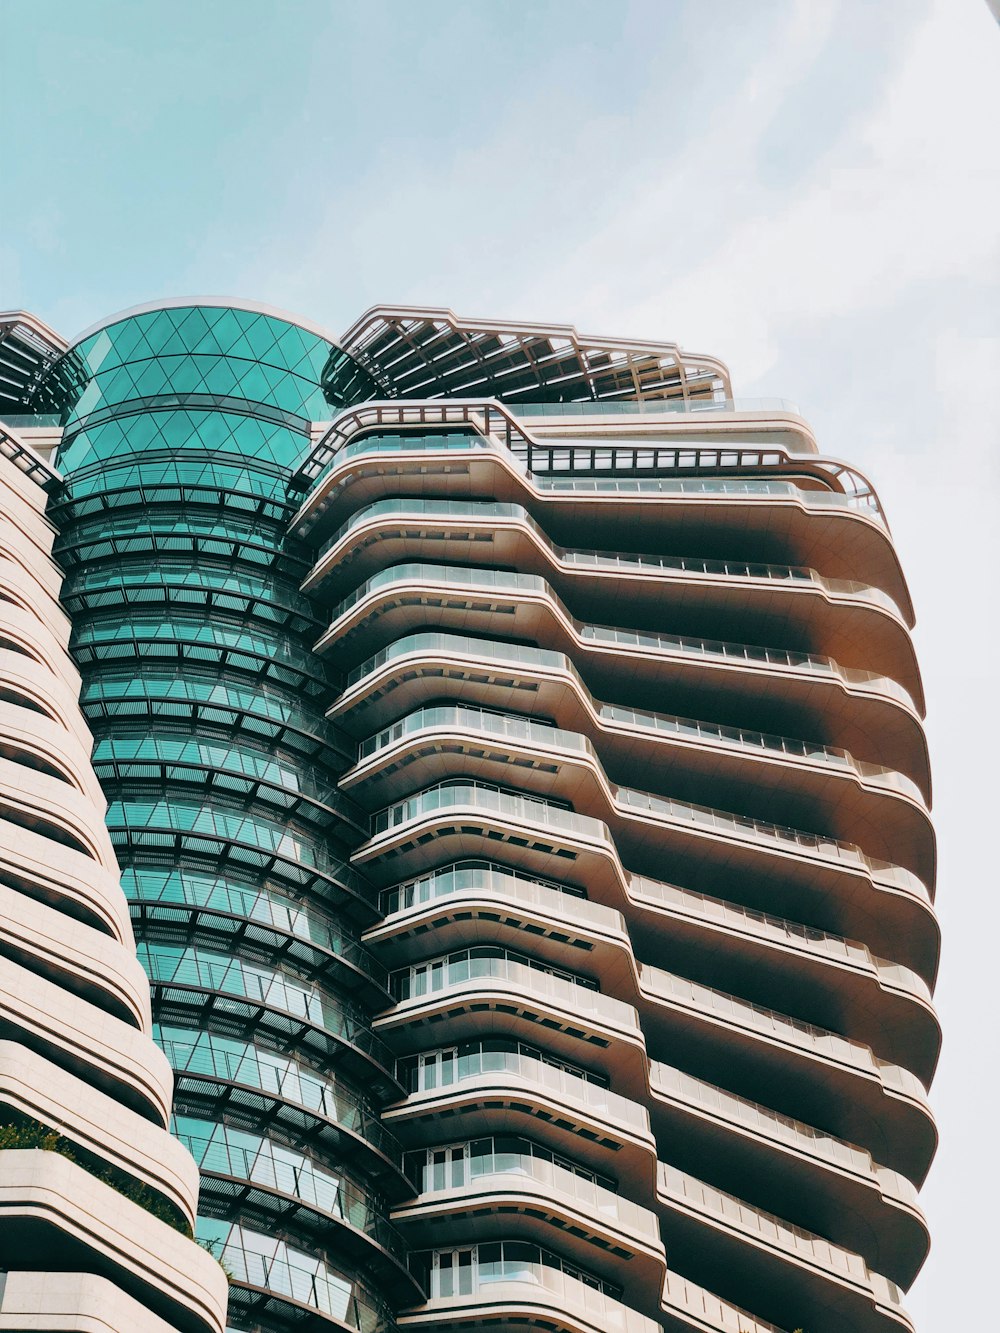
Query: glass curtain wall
<point>182,428</point>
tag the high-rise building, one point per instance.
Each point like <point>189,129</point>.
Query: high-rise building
<point>512,750</point>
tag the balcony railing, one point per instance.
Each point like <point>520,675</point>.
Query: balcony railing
<point>768,1124</point>
<point>734,916</point>
<point>775,1232</point>
<point>782,1028</point>
<point>480,511</point>
<point>526,1072</point>
<point>594,1200</point>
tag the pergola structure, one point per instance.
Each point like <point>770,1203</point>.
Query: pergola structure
<point>416,352</point>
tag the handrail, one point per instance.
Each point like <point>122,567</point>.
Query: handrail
<point>483,510</point>
<point>496,421</point>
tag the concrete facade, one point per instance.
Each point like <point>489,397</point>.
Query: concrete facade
<point>514,758</point>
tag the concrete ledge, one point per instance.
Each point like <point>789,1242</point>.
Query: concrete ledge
<point>72,1303</point>
<point>102,1050</point>
<point>50,1207</point>
<point>98,1124</point>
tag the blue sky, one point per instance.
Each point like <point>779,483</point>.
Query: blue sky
<point>808,188</point>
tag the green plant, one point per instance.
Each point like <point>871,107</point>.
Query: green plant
<point>24,1132</point>
<point>210,1246</point>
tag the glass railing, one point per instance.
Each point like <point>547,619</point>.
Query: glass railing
<point>31,420</point>
<point>482,511</point>
<point>397,505</point>
<point>483,649</point>
<point>746,920</point>
<point>210,1055</point>
<point>869,681</point>
<point>581,1092</point>
<point>781,1027</point>
<point>429,573</point>
<point>477,719</point>
<point>774,1231</point>
<point>775,489</point>
<point>702,731</point>
<point>384,443</point>
<point>221,975</point>
<point>703,1310</point>
<point>551,1178</point>
<point>485,960</point>
<point>574,995</point>
<point>653,407</point>
<point>539,1284</point>
<point>833,756</point>
<point>499,882</point>
<point>490,798</point>
<point>673,1084</point>
<point>249,1157</point>
<point>516,805</point>
<point>830,849</point>
<point>265,1262</point>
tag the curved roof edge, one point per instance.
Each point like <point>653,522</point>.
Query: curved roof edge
<point>221,302</point>
<point>429,351</point>
<point>26,320</point>
<point>513,326</point>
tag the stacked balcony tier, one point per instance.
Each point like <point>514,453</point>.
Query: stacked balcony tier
<point>647,788</point>
<point>97,1200</point>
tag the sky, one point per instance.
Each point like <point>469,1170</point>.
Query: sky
<point>809,189</point>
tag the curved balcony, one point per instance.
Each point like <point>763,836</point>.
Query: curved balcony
<point>52,808</point>
<point>415,668</point>
<point>255,1001</point>
<point>788,519</point>
<point>688,1308</point>
<point>576,1022</point>
<point>800,1070</point>
<point>594,1227</point>
<point>300,1195</point>
<point>545,1298</point>
<point>97,1126</point>
<point>39,744</point>
<point>54,1207</point>
<point>785,1271</point>
<point>214,1073</point>
<point>23,633</point>
<point>855,623</point>
<point>103,1051</point>
<point>791,1169</point>
<point>66,880</point>
<point>839,982</point>
<point>459,902</point>
<point>273,1280</point>
<point>69,1302</point>
<point>432,743</point>
<point>78,958</point>
<point>572,1112</point>
<point>681,926</point>
<point>455,818</point>
<point>384,605</point>
<point>799,783</point>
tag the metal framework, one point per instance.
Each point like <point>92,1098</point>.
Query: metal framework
<point>416,352</point>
